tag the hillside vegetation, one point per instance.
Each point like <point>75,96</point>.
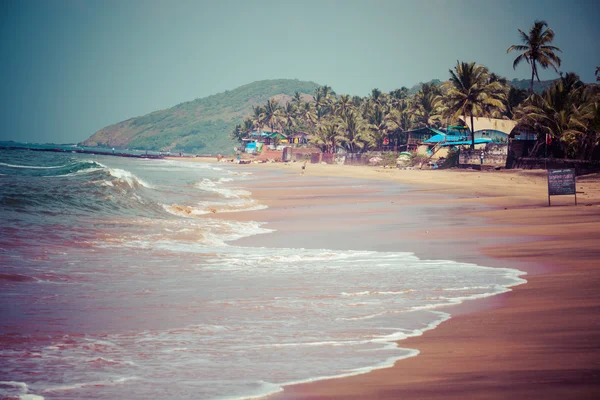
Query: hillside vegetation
<point>198,126</point>
<point>203,125</point>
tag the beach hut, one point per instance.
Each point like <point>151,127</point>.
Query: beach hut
<point>492,134</point>
<point>299,138</point>
<point>416,137</point>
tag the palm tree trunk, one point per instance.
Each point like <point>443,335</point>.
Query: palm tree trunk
<point>532,76</point>
<point>472,132</point>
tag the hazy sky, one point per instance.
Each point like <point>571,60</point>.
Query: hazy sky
<point>71,67</point>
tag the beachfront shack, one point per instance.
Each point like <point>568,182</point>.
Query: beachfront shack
<point>416,137</point>
<point>453,136</point>
<point>299,138</point>
<point>259,138</point>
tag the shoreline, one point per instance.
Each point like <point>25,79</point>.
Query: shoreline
<point>540,338</point>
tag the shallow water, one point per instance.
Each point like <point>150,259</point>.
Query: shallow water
<point>117,281</point>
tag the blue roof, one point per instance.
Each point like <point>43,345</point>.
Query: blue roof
<point>443,137</point>
<point>461,142</point>
<point>436,138</point>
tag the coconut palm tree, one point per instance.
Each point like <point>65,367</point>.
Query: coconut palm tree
<point>376,96</point>
<point>297,99</point>
<point>248,126</point>
<point>353,130</point>
<point>377,126</point>
<point>567,112</point>
<point>271,114</point>
<point>400,116</point>
<point>357,101</point>
<point>514,97</point>
<point>343,105</point>
<point>324,98</point>
<point>256,117</point>
<point>327,136</point>
<point>536,50</point>
<point>399,94</point>
<point>427,105</point>
<point>237,134</point>
<point>288,117</point>
<point>472,94</point>
<point>308,115</point>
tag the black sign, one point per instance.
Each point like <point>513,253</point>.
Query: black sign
<point>561,181</point>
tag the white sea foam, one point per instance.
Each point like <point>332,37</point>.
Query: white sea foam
<point>17,389</point>
<point>32,166</point>
<point>109,382</point>
<point>207,207</point>
<point>128,177</point>
<point>215,186</point>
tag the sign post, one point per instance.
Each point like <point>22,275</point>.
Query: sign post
<point>561,182</point>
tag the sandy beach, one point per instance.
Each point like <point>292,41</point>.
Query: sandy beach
<point>541,340</point>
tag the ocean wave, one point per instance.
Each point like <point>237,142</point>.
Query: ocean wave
<point>32,166</point>
<point>73,167</point>
<point>82,385</point>
<point>375,293</point>
<point>204,208</point>
<point>20,390</point>
<point>122,175</point>
<point>214,186</point>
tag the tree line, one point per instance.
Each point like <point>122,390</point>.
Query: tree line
<point>566,117</point>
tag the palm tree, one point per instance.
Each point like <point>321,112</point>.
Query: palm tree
<point>297,99</point>
<point>471,93</point>
<point>399,94</point>
<point>427,105</point>
<point>353,131</point>
<point>536,50</point>
<point>568,112</point>
<point>326,136</point>
<point>288,117</point>
<point>343,105</point>
<point>378,126</point>
<point>400,116</point>
<point>271,114</point>
<point>248,126</point>
<point>514,97</point>
<point>238,133</point>
<point>257,112</point>
<point>324,97</point>
<point>308,115</point>
<point>375,95</point>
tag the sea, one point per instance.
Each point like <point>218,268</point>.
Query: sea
<point>120,280</point>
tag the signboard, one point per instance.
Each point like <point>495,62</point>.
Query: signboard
<point>561,182</point>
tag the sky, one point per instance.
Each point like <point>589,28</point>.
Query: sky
<point>72,67</point>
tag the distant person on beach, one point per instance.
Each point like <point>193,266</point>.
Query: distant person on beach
<point>303,168</point>
<point>481,157</point>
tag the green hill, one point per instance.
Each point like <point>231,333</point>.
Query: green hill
<point>538,87</point>
<point>198,126</point>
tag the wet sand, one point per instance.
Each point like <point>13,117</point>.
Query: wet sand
<point>541,340</point>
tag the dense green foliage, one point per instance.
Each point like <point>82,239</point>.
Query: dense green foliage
<point>198,126</point>
<point>566,118</point>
